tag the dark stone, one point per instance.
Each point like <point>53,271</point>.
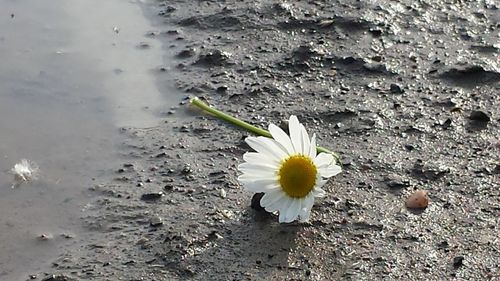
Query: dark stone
<point>214,235</point>
<point>397,184</point>
<point>443,245</point>
<point>256,202</point>
<point>458,261</point>
<point>376,32</point>
<point>349,60</point>
<point>396,89</point>
<point>187,53</point>
<point>377,67</point>
<point>479,116</point>
<point>222,89</point>
<point>170,9</point>
<point>446,124</point>
<point>173,32</point>
<point>166,11</point>
<point>163,154</point>
<point>155,196</point>
<point>409,147</point>
<point>496,170</point>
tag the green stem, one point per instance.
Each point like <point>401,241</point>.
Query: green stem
<point>242,124</point>
<point>230,119</point>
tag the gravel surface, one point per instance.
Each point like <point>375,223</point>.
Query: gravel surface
<point>405,91</point>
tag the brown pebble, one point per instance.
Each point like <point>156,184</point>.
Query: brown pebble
<point>418,200</point>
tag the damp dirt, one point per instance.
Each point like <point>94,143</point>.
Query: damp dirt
<point>406,92</point>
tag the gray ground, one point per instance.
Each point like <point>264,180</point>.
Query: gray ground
<point>405,91</point>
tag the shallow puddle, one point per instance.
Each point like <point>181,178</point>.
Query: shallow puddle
<point>71,74</point>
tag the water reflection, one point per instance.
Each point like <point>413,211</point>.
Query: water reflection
<point>71,74</point>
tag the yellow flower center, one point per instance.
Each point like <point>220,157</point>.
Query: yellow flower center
<point>297,176</point>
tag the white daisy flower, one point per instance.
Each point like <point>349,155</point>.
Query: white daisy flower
<point>288,170</point>
<point>25,170</point>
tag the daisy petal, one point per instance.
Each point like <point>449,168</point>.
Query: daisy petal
<point>312,148</point>
<point>282,138</point>
<point>294,128</point>
<point>304,139</point>
<point>261,159</point>
<point>256,170</point>
<point>329,171</point>
<point>305,211</point>
<point>266,146</point>
<point>284,210</point>
<point>245,178</point>
<point>323,159</point>
<point>279,149</point>
<point>278,204</point>
<point>293,210</point>
<point>260,186</point>
<point>319,192</point>
<point>270,197</point>
<point>320,181</point>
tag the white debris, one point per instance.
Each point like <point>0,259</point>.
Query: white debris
<point>222,193</point>
<point>25,171</point>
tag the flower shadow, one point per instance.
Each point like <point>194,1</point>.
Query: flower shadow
<point>255,247</point>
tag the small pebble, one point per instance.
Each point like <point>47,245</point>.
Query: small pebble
<point>222,193</point>
<point>396,89</point>
<point>418,200</point>
<point>156,221</point>
<point>228,214</point>
<point>152,196</point>
<point>187,169</point>
<point>44,237</point>
<point>142,241</point>
<point>221,89</point>
<point>458,261</point>
<point>214,235</point>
